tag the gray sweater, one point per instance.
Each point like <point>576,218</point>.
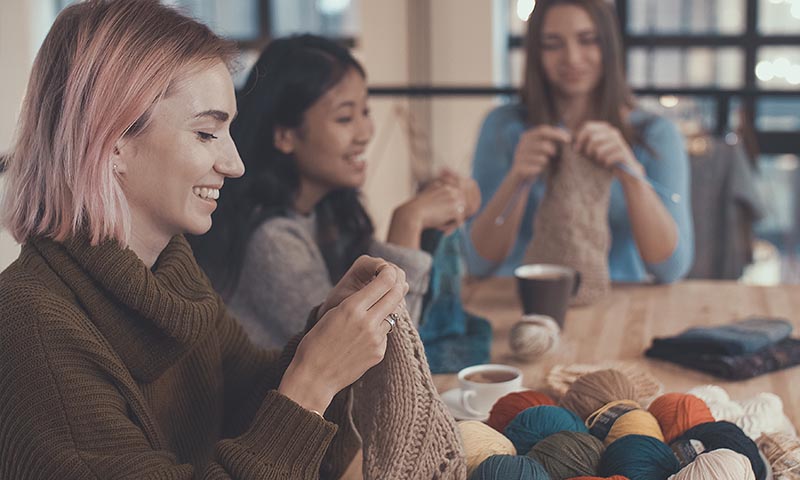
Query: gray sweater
<point>284,275</point>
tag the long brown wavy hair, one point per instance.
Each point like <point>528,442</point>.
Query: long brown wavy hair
<point>611,94</point>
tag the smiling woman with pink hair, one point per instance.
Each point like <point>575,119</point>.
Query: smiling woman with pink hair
<point>117,358</point>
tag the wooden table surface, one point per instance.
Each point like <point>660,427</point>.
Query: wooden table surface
<point>621,327</point>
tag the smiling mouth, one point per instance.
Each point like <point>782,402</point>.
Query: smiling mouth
<point>356,160</point>
<point>206,193</point>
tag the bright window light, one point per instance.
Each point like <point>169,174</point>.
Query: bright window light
<point>332,7</point>
<point>764,71</point>
<point>524,9</point>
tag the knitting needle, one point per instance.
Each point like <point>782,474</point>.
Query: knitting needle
<point>664,191</point>
<point>501,219</point>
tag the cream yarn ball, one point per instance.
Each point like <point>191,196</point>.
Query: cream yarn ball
<point>533,336</point>
<point>722,464</point>
<point>481,442</point>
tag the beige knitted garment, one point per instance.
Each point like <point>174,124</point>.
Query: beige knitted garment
<point>571,224</point>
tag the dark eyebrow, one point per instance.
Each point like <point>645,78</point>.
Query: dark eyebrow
<point>346,103</point>
<point>217,115</point>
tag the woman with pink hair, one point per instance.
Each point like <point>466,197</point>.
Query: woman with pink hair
<point>117,358</point>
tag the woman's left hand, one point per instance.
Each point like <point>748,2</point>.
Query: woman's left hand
<point>604,144</point>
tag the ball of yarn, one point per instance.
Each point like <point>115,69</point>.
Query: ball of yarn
<point>593,390</point>
<point>534,424</point>
<point>782,451</point>
<point>761,414</point>
<point>612,477</point>
<point>718,402</point>
<point>533,336</point>
<point>567,454</point>
<point>678,412</point>
<point>623,417</point>
<point>638,457</point>
<point>710,394</point>
<point>503,467</point>
<point>722,464</point>
<point>481,442</point>
<point>717,435</point>
<point>508,406</point>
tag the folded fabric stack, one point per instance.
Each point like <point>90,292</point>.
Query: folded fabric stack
<point>738,351</point>
<point>453,338</point>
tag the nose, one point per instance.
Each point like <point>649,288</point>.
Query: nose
<point>366,128</point>
<point>230,163</point>
<point>573,53</point>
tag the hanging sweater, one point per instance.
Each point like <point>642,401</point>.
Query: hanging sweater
<point>109,369</point>
<point>284,275</point>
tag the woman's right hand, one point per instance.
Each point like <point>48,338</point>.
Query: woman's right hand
<point>348,340</point>
<point>536,147</point>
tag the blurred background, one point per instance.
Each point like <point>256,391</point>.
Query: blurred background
<point>727,71</point>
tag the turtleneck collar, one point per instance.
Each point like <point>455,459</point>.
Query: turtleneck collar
<point>150,317</point>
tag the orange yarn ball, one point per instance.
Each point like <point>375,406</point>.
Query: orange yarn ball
<point>678,412</point>
<point>506,408</point>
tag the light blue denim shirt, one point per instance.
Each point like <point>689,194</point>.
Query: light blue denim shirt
<point>669,167</point>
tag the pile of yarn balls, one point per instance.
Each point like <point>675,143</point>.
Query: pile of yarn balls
<point>599,430</point>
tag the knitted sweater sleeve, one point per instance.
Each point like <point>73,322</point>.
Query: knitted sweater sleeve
<point>62,414</point>
<point>406,428</point>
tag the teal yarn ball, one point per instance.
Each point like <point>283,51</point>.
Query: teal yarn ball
<point>534,424</point>
<point>638,457</point>
<point>568,454</point>
<point>508,467</point>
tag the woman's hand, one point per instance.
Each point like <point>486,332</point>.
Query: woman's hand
<point>604,144</point>
<point>349,339</point>
<point>536,147</point>
<point>438,205</point>
<point>469,189</point>
<point>358,276</point>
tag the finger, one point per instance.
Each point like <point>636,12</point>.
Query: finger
<point>607,149</point>
<point>365,298</point>
<point>546,148</point>
<point>388,303</point>
<point>554,134</point>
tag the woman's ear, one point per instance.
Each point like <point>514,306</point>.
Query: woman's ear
<point>284,139</point>
<point>120,156</point>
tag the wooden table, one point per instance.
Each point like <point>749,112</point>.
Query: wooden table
<point>621,327</point>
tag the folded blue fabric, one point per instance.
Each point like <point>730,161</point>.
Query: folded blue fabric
<point>743,337</point>
<point>453,338</point>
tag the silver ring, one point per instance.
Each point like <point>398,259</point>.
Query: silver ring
<point>460,208</point>
<point>391,320</point>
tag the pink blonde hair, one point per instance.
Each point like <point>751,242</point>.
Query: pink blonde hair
<point>100,70</point>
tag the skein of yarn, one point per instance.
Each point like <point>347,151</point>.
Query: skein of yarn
<point>533,336</point>
<point>722,464</point>
<point>782,451</point>
<point>638,457</point>
<point>717,435</point>
<point>623,417</point>
<point>534,424</point>
<point>503,467</point>
<point>678,412</point>
<point>593,390</point>
<point>508,406</point>
<point>481,442</point>
<point>567,454</point>
<point>761,414</point>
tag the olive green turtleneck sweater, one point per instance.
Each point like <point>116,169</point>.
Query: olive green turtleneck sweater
<point>109,369</point>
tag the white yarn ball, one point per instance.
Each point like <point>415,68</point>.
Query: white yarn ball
<point>481,442</point>
<point>711,394</point>
<point>761,414</point>
<point>533,336</point>
<point>722,464</point>
<point>728,411</point>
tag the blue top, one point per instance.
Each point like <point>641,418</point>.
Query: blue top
<point>669,167</point>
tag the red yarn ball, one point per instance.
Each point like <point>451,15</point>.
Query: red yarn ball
<point>678,412</point>
<point>506,408</point>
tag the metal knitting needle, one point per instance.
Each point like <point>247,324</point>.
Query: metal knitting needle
<point>512,202</point>
<point>674,197</point>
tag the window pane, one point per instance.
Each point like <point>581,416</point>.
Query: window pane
<point>697,67</point>
<point>686,16</point>
<point>692,114</point>
<point>777,183</point>
<point>333,18</point>
<point>778,114</point>
<point>235,19</point>
<point>779,16</point>
<point>778,68</point>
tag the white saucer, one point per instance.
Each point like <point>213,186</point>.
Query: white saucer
<point>452,399</point>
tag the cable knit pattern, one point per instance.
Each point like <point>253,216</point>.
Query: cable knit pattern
<point>571,224</point>
<point>398,396</point>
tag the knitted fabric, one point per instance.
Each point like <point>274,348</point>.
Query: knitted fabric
<point>571,223</point>
<point>110,369</point>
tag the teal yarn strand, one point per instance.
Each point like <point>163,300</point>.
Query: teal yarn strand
<point>568,454</point>
<point>638,457</point>
<point>534,424</point>
<point>509,467</point>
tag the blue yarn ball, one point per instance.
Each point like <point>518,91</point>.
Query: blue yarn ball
<point>716,435</point>
<point>534,424</point>
<point>507,467</point>
<point>638,457</point>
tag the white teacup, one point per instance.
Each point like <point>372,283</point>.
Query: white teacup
<point>482,385</point>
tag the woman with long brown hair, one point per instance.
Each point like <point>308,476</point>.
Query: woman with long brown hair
<point>574,94</point>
